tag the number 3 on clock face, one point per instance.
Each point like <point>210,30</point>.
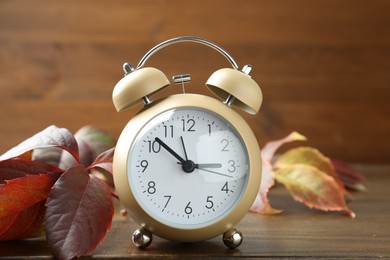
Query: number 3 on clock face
<point>187,167</point>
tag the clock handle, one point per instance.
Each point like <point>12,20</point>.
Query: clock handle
<point>187,39</point>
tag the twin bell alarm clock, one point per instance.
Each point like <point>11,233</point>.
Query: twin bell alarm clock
<point>187,167</point>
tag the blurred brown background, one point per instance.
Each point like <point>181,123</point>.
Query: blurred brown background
<point>324,66</point>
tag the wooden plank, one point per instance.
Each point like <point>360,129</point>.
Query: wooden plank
<point>297,232</point>
<point>308,22</point>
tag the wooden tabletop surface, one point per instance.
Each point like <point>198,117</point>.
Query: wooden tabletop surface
<point>323,67</point>
<point>297,232</point>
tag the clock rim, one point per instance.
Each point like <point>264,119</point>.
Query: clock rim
<point>129,135</point>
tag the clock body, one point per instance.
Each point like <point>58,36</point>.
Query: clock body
<point>187,167</point>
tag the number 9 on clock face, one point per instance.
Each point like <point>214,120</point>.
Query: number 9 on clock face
<point>187,167</point>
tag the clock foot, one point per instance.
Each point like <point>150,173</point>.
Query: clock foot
<point>232,238</point>
<point>142,238</point>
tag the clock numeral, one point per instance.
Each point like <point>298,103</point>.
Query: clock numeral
<point>168,199</point>
<point>188,125</point>
<point>188,209</point>
<point>151,187</point>
<point>225,187</point>
<point>225,144</point>
<point>144,164</point>
<point>209,126</point>
<point>154,146</point>
<point>232,166</point>
<point>209,202</point>
<point>168,131</point>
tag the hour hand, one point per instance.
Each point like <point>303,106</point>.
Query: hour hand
<point>169,149</point>
<point>209,165</point>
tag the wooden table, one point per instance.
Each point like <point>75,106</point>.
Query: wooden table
<point>297,232</point>
<point>323,67</point>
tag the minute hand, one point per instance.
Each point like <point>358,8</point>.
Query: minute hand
<point>222,174</point>
<point>169,149</point>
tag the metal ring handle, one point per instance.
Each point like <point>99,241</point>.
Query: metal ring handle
<point>187,39</point>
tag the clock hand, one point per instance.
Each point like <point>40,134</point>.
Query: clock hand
<point>209,165</point>
<point>169,149</point>
<point>184,147</point>
<point>201,169</point>
<point>205,165</point>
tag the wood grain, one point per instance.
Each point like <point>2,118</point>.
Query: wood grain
<point>323,65</point>
<point>297,232</point>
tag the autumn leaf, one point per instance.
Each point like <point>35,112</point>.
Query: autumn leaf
<point>34,189</point>
<point>21,193</point>
<point>52,136</point>
<point>102,168</point>
<point>94,141</point>
<point>261,204</point>
<point>27,223</point>
<point>351,178</point>
<point>313,157</point>
<point>314,188</point>
<point>79,212</point>
<point>50,155</point>
<point>104,161</point>
<point>91,142</point>
<point>12,169</point>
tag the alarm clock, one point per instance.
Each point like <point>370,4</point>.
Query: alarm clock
<point>187,167</point>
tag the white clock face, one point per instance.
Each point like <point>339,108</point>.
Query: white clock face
<point>188,167</point>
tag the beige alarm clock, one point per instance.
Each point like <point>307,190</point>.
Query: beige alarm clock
<point>187,167</point>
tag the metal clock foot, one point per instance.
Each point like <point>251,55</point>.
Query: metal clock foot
<point>232,238</point>
<point>142,238</point>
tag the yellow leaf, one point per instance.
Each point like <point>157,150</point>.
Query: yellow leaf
<point>312,157</point>
<point>313,187</point>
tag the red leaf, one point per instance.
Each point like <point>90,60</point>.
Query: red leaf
<point>25,224</point>
<point>51,155</point>
<point>92,142</point>
<point>16,168</point>
<point>313,187</point>
<point>102,167</point>
<point>21,193</point>
<point>104,161</point>
<point>79,212</point>
<point>351,178</point>
<point>49,137</point>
